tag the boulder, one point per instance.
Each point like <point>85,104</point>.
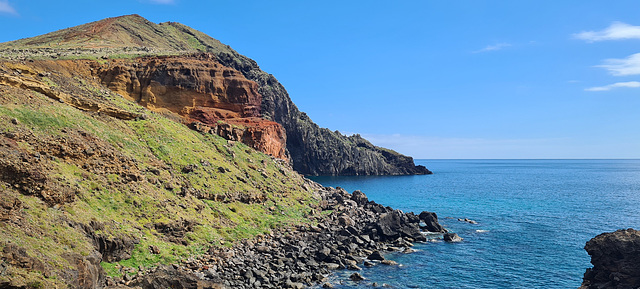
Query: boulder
<point>395,224</point>
<point>452,238</point>
<point>359,197</point>
<point>376,255</point>
<point>356,277</point>
<point>430,220</point>
<point>389,262</point>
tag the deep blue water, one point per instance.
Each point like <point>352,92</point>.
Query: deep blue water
<point>534,217</point>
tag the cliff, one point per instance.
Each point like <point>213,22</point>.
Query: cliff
<point>616,261</point>
<point>312,150</point>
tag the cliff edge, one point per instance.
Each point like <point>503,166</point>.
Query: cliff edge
<point>311,149</point>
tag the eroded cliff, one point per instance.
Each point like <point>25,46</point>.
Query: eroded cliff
<point>198,88</point>
<point>312,150</point>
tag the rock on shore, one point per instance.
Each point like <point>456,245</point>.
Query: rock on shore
<point>616,261</point>
<point>347,232</point>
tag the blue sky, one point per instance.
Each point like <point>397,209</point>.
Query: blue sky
<point>432,79</point>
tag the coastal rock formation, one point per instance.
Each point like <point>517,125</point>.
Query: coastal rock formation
<point>616,261</point>
<point>296,257</point>
<point>312,150</point>
<point>431,224</point>
<point>315,150</point>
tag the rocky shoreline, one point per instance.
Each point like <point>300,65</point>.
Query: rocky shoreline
<point>346,232</point>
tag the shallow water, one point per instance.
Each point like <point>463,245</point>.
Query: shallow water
<point>534,217</point>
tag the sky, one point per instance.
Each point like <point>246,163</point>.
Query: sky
<point>469,79</point>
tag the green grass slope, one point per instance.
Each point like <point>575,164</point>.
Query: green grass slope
<point>170,191</point>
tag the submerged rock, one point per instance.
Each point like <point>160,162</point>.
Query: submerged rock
<point>356,277</point>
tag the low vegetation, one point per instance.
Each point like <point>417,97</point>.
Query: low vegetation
<point>173,191</point>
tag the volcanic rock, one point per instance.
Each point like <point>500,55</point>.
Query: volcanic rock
<point>452,238</point>
<point>431,222</point>
<point>616,261</point>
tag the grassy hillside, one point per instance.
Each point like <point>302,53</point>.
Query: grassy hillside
<point>149,190</point>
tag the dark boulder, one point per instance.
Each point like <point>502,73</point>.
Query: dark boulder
<point>452,238</point>
<point>356,277</point>
<point>395,224</point>
<point>359,197</point>
<point>376,255</point>
<point>616,260</point>
<point>430,220</point>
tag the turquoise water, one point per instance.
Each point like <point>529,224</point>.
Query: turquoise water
<point>534,217</point>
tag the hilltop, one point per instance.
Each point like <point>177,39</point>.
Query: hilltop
<point>311,149</point>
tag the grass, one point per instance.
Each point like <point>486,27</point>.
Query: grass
<point>158,149</point>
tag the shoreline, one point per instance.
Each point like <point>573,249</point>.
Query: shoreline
<point>347,231</point>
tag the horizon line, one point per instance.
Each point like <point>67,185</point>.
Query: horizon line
<point>528,159</point>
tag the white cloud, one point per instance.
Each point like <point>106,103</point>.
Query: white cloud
<point>494,47</point>
<point>616,31</point>
<point>631,84</point>
<point>623,67</point>
<point>5,7</point>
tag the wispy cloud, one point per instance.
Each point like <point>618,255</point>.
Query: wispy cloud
<point>616,31</point>
<point>494,47</point>
<point>629,84</point>
<point>5,7</point>
<point>623,67</point>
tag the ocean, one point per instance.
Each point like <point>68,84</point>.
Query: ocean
<point>533,219</point>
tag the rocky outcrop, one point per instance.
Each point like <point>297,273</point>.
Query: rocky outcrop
<point>315,150</point>
<point>198,88</point>
<point>431,224</point>
<point>183,83</point>
<point>27,78</point>
<point>616,261</point>
<point>85,271</point>
<point>111,248</point>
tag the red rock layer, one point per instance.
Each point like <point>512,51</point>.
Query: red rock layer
<point>197,87</point>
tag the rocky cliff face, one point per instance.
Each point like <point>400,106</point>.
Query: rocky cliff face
<point>198,88</point>
<point>315,150</point>
<point>312,150</point>
<point>616,261</point>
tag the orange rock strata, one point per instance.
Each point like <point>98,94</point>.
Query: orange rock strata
<point>196,87</point>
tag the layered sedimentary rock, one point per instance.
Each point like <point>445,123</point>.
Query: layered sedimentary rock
<point>198,88</point>
<point>616,261</point>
